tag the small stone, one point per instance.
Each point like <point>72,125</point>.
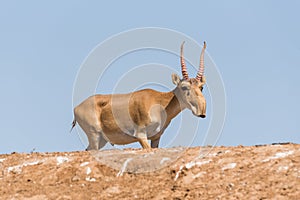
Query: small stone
<point>75,178</point>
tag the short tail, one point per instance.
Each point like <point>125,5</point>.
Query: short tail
<point>73,125</point>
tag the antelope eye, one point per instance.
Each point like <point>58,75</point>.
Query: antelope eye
<point>185,88</point>
<point>201,88</point>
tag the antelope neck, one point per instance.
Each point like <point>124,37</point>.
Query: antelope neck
<point>172,106</point>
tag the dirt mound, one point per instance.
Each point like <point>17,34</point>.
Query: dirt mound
<point>255,172</point>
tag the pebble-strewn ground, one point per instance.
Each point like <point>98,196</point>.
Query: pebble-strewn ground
<point>255,172</point>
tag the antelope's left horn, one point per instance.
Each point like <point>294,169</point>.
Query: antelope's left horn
<point>201,67</point>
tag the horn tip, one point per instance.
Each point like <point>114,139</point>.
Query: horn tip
<point>182,43</point>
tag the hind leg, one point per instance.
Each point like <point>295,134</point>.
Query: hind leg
<point>102,141</point>
<point>155,143</point>
<point>94,141</point>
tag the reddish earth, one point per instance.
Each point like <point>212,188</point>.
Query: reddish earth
<point>255,172</point>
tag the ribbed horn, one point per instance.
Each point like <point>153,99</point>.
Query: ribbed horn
<point>201,67</point>
<point>183,67</point>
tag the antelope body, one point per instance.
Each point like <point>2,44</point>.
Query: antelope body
<point>142,115</point>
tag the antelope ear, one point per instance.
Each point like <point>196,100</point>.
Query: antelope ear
<point>175,79</point>
<point>203,80</point>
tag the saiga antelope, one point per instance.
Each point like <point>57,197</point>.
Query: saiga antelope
<point>141,115</point>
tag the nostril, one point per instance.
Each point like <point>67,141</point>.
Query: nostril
<point>202,116</point>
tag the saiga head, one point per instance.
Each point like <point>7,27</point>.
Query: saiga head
<point>189,90</point>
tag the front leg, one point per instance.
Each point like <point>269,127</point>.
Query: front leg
<point>155,143</point>
<point>144,143</point>
<point>143,140</point>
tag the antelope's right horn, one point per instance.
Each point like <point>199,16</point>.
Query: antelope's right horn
<point>201,67</point>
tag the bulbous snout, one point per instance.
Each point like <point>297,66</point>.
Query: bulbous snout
<point>202,113</point>
<point>202,108</point>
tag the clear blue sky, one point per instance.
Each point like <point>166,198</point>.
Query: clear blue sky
<point>255,44</point>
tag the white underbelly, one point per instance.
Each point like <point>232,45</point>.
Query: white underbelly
<point>129,136</point>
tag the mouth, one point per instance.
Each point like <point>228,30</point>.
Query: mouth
<point>194,111</point>
<point>201,115</point>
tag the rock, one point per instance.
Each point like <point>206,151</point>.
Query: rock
<point>75,178</point>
